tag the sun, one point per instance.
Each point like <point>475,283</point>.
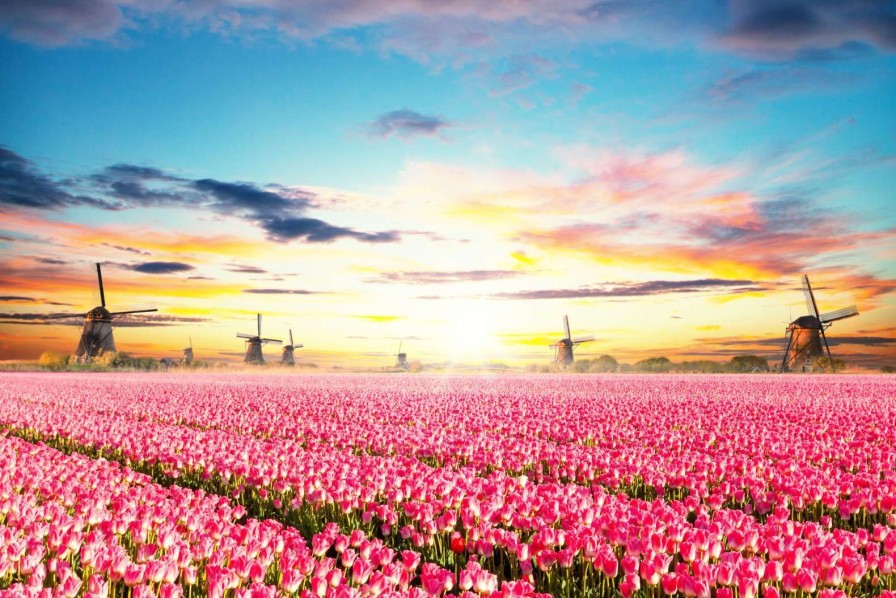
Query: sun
<point>470,331</point>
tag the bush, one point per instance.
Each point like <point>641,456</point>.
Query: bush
<point>700,366</point>
<point>747,363</point>
<point>889,369</point>
<point>828,365</point>
<point>581,366</point>
<point>53,361</point>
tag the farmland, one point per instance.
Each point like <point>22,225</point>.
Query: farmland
<point>353,485</point>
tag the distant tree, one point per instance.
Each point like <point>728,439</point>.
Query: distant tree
<point>829,365</point>
<point>625,368</point>
<point>747,363</point>
<point>544,369</point>
<point>888,369</point>
<point>654,365</point>
<point>531,368</point>
<point>53,361</point>
<point>604,364</point>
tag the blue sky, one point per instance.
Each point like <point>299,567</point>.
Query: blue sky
<point>508,147</point>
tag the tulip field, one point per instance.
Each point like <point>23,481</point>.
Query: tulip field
<point>427,485</point>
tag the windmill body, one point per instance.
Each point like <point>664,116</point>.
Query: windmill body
<point>289,357</point>
<point>806,339</point>
<point>401,359</point>
<point>563,349</point>
<point>254,342</point>
<point>96,336</point>
<point>188,354</point>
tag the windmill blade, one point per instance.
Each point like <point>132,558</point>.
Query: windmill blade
<point>191,342</point>
<point>259,324</point>
<point>582,339</point>
<point>810,297</point>
<point>243,335</point>
<point>272,340</point>
<point>566,327</point>
<point>99,277</point>
<point>399,347</point>
<point>299,346</point>
<point>840,314</point>
<point>290,338</point>
<point>132,311</point>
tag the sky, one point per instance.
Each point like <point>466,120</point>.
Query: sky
<point>455,176</point>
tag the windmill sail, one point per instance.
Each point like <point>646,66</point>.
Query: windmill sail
<point>810,296</point>
<point>840,314</point>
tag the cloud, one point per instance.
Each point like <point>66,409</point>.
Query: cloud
<point>280,292</point>
<point>50,261</point>
<point>379,318</point>
<point>464,30</point>
<point>638,289</point>
<point>440,277</point>
<point>407,123</point>
<point>773,82</point>
<point>161,267</point>
<point>16,299</point>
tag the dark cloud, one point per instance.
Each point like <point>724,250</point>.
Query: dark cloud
<point>406,123</point>
<point>638,289</point>
<point>318,231</point>
<point>437,277</point>
<point>161,267</point>
<point>810,30</point>
<point>52,23</point>
<point>21,185</point>
<point>128,321</point>
<point>16,299</point>
<point>247,270</point>
<point>51,261</point>
<point>125,248</point>
<point>280,292</point>
<point>277,209</point>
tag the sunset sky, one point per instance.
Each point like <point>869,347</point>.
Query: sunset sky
<point>457,174</point>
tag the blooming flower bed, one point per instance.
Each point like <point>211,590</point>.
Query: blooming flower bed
<point>578,485</point>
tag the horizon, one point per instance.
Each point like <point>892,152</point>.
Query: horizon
<point>454,177</point>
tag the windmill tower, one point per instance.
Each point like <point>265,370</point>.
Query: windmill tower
<point>401,359</point>
<point>563,357</point>
<point>254,343</point>
<point>806,339</point>
<point>288,356</point>
<point>188,354</point>
<point>96,336</point>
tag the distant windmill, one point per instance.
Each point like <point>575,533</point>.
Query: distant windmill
<point>96,337</point>
<point>806,334</point>
<point>188,353</point>
<point>288,357</point>
<point>563,357</point>
<point>254,343</point>
<point>401,359</point>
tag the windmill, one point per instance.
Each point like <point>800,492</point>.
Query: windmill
<point>254,343</point>
<point>288,357</point>
<point>96,337</point>
<point>806,338</point>
<point>401,359</point>
<point>563,348</point>
<point>188,353</point>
